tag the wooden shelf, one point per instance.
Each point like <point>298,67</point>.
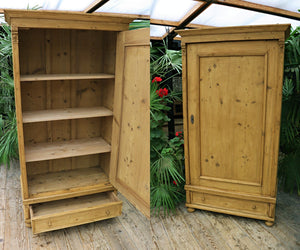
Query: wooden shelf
<point>64,114</point>
<point>55,77</point>
<point>65,149</point>
<point>67,184</point>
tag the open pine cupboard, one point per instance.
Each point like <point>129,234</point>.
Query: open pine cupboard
<point>232,87</point>
<point>82,106</point>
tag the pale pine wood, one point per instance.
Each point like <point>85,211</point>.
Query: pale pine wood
<point>185,119</point>
<point>58,150</point>
<point>237,33</point>
<point>65,20</point>
<point>56,77</point>
<point>231,194</point>
<point>65,114</point>
<point>232,87</point>
<point>68,109</point>
<point>75,211</point>
<point>18,104</point>
<point>67,183</point>
<point>282,28</point>
<point>62,207</point>
<point>130,170</point>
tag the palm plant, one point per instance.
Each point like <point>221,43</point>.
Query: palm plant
<point>167,177</point>
<point>8,128</point>
<point>289,165</point>
<point>139,24</point>
<point>165,61</point>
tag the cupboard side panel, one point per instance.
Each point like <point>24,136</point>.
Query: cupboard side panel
<point>18,100</point>
<point>273,117</point>
<point>185,80</point>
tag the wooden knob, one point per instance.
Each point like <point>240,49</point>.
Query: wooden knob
<point>253,207</point>
<point>107,212</point>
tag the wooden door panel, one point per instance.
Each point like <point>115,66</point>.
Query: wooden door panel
<point>227,98</point>
<point>130,157</point>
<point>232,115</point>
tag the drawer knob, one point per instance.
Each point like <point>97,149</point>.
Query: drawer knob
<point>254,207</point>
<point>203,198</point>
<point>107,212</point>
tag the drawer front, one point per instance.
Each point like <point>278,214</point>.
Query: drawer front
<point>72,212</point>
<point>235,206</point>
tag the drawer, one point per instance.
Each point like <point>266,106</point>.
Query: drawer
<point>59,214</point>
<point>235,206</point>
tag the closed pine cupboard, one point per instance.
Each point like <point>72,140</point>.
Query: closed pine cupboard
<point>82,106</point>
<point>232,86</point>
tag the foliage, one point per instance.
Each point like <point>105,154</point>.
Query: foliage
<point>8,128</point>
<point>289,165</point>
<point>165,61</point>
<point>139,24</point>
<point>8,140</point>
<point>167,177</point>
<point>167,173</point>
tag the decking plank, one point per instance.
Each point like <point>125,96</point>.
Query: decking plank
<point>179,232</point>
<point>203,230</point>
<point>183,230</point>
<point>2,204</point>
<point>160,236</point>
<point>136,225</point>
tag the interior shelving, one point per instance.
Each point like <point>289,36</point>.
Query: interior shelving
<point>70,73</point>
<point>64,149</point>
<point>55,77</point>
<point>66,182</point>
<point>66,113</point>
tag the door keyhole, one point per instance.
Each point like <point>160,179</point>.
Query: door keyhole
<point>192,119</point>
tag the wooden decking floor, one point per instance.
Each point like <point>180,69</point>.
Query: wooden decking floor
<point>198,230</point>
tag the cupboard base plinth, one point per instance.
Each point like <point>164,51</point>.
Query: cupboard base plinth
<point>238,206</point>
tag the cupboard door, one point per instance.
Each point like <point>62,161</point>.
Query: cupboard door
<point>234,102</point>
<point>130,156</point>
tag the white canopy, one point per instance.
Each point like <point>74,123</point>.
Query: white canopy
<point>167,14</point>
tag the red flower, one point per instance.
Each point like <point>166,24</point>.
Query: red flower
<point>165,91</point>
<point>178,134</point>
<point>157,79</point>
<point>175,183</point>
<point>162,92</point>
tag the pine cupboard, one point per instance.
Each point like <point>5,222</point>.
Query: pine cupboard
<point>82,107</point>
<point>232,86</point>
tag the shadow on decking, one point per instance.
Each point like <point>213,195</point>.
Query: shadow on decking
<point>198,230</point>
